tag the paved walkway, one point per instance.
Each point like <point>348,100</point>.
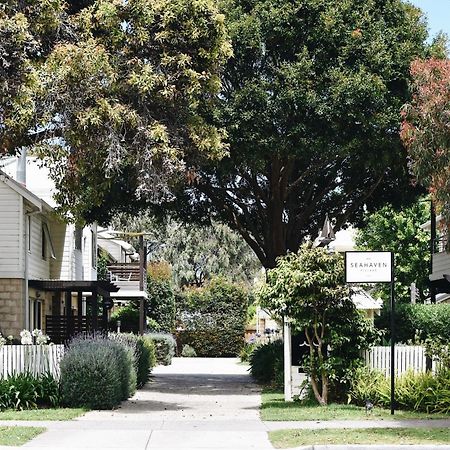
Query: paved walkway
<point>192,404</point>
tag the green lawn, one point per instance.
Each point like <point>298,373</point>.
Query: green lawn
<point>294,438</point>
<point>43,414</point>
<point>18,435</point>
<point>275,408</point>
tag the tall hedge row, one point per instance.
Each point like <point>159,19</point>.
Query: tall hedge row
<point>424,321</point>
<point>212,319</point>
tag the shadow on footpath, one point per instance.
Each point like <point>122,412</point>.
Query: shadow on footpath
<point>202,384</point>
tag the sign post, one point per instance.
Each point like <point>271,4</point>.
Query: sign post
<point>375,267</point>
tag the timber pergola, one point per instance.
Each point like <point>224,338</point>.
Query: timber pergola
<point>68,324</point>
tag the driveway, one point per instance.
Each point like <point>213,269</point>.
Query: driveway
<point>207,403</point>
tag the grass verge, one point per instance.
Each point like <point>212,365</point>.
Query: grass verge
<point>387,436</point>
<point>18,435</point>
<point>43,414</point>
<point>274,408</point>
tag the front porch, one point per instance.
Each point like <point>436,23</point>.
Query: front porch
<point>77,307</point>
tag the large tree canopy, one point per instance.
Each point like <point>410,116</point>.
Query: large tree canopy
<point>310,103</point>
<point>28,30</point>
<point>121,103</point>
<point>426,131</point>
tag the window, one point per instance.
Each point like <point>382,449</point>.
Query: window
<point>93,249</point>
<point>43,243</point>
<point>78,237</point>
<point>29,233</point>
<point>35,314</point>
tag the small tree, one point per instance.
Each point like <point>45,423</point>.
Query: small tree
<point>308,287</point>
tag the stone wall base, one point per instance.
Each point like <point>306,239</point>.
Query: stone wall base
<point>11,306</point>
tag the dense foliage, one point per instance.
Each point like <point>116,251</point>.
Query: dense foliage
<point>425,130</point>
<point>199,253</point>
<point>414,322</point>
<point>143,351</point>
<point>161,304</point>
<point>97,372</point>
<point>26,391</point>
<point>266,363</point>
<point>126,90</point>
<point>195,252</point>
<point>212,319</point>
<point>308,287</point>
<point>28,31</point>
<point>165,347</point>
<point>129,319</point>
<point>311,102</point>
<point>413,391</point>
<point>399,231</point>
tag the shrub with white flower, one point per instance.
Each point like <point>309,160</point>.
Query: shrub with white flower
<point>41,338</point>
<point>34,337</point>
<point>2,340</point>
<point>26,338</point>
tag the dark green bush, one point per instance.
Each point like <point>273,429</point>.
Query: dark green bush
<point>165,346</point>
<point>266,363</point>
<point>141,357</point>
<point>161,304</point>
<point>146,357</point>
<point>423,321</point>
<point>25,391</point>
<point>96,372</point>
<point>246,351</point>
<point>213,319</point>
<point>188,352</point>
<point>129,319</point>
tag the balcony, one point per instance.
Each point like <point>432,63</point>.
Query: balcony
<point>125,276</point>
<point>441,258</point>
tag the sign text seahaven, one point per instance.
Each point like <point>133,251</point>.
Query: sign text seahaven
<point>368,267</point>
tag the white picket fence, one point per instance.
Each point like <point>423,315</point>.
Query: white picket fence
<point>407,357</point>
<point>34,359</point>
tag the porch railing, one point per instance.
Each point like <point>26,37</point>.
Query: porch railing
<point>61,328</point>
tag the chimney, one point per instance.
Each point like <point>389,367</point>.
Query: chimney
<point>21,174</point>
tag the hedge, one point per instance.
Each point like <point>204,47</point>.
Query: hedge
<point>213,319</point>
<point>165,346</point>
<point>426,321</point>
<point>266,363</point>
<point>97,372</point>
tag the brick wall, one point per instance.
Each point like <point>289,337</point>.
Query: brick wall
<point>11,306</point>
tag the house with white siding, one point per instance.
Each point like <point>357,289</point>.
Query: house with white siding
<point>48,273</point>
<point>440,259</point>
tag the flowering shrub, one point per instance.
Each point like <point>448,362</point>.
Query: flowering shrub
<point>34,337</point>
<point>2,340</point>
<point>26,338</point>
<point>40,337</point>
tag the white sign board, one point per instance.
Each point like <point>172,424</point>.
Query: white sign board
<point>368,267</point>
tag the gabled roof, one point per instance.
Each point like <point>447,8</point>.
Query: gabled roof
<point>40,204</point>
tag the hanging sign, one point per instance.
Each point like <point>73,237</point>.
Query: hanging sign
<point>368,267</point>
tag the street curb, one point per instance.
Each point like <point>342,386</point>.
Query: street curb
<point>373,447</point>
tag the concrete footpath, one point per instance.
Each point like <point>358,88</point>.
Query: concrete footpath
<point>192,404</point>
